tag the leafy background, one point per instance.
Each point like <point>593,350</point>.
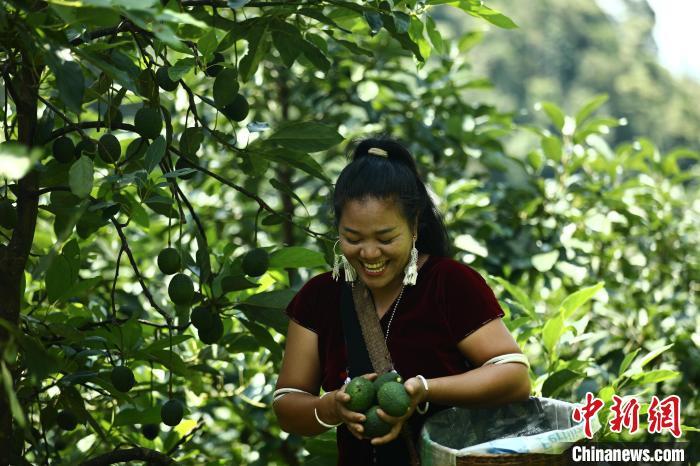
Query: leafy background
<point>582,210</point>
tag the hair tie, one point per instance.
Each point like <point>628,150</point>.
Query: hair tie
<point>378,151</point>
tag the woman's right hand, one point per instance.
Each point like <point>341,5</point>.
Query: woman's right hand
<point>352,419</point>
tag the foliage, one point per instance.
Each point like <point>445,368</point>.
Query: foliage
<point>572,231</point>
<point>581,52</point>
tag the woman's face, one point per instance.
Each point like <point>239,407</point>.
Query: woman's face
<point>377,240</point>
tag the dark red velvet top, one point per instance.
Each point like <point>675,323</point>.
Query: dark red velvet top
<point>449,301</point>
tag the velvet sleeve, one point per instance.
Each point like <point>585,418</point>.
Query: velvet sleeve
<point>465,299</point>
<point>304,307</point>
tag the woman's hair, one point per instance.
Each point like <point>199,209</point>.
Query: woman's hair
<point>392,177</point>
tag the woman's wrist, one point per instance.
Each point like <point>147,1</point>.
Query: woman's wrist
<point>423,406</point>
<point>326,412</point>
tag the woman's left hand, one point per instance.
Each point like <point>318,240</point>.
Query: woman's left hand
<point>418,393</point>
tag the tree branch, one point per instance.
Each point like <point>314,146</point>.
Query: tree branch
<point>130,255</point>
<point>131,454</point>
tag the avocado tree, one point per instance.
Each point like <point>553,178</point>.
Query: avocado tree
<point>150,216</point>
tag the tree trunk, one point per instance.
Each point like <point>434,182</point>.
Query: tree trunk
<point>13,258</point>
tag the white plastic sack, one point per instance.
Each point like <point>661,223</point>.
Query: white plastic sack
<point>539,425</point>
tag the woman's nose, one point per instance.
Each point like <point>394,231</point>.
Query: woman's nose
<point>370,252</point>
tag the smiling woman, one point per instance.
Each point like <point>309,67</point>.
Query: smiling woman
<point>440,320</point>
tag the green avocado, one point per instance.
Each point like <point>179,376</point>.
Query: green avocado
<point>171,412</point>
<point>373,425</point>
<point>66,420</point>
<point>213,333</point>
<point>255,262</point>
<point>361,393</point>
<point>386,377</point>
<point>181,289</point>
<point>63,149</point>
<point>169,261</point>
<point>109,148</point>
<point>123,378</point>
<point>393,399</point>
<point>202,317</point>
<point>148,122</point>
<point>163,79</point>
<point>150,431</point>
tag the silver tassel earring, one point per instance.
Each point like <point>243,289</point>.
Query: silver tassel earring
<point>411,271</point>
<point>339,260</point>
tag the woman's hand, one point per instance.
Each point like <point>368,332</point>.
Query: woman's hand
<point>418,393</point>
<point>352,419</point>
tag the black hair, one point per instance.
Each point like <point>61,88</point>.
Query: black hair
<point>392,177</point>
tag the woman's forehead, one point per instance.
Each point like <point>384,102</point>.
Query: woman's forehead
<point>372,214</point>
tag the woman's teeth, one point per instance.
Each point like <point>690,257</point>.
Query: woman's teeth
<point>374,268</point>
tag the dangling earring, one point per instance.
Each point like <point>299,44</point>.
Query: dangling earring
<point>340,260</point>
<point>411,270</point>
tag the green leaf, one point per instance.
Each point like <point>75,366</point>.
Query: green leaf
<point>556,116</point>
<point>155,153</point>
<point>655,376</point>
<point>492,16</point>
<point>288,44</point>
<point>628,360</point>
<point>545,261</point>
<point>80,177</point>
<point>435,37</point>
<point>558,381</point>
<point>579,298</point>
<point>590,107</point>
<point>281,187</point>
<point>551,146</point>
<point>374,20</point>
<point>71,85</point>
<point>257,47</point>
<point>315,55</point>
<point>15,407</point>
<point>518,293</point>
<point>131,416</point>
<point>207,43</point>
<point>295,257</point>
<point>277,299</point>
<point>180,68</point>
<point>552,331</point>
<point>306,136</point>
<point>58,277</point>
<point>263,336</point>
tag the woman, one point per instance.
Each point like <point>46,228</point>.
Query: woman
<point>440,319</point>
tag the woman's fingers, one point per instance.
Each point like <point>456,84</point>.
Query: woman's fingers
<point>393,433</point>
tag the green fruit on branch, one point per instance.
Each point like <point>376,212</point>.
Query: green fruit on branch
<point>169,261</point>
<point>123,378</point>
<point>66,420</point>
<point>374,426</point>
<point>148,122</point>
<point>171,412</point>
<point>237,110</point>
<point>163,79</point>
<point>393,399</point>
<point>256,262</point>
<point>226,87</point>
<point>181,290</point>
<point>8,214</point>
<point>202,317</point>
<point>387,377</point>
<point>150,431</point>
<point>361,393</point>
<point>213,333</point>
<point>109,148</point>
<point>63,149</point>
<point>145,84</point>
